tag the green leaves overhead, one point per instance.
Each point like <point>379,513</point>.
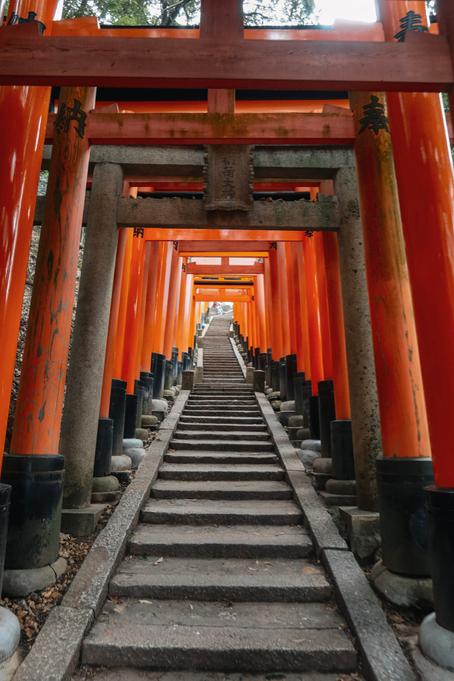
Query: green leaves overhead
<point>184,12</point>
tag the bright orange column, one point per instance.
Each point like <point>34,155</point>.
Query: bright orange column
<point>404,426</point>
<point>172,304</point>
<point>23,117</point>
<point>150,307</point>
<point>293,321</point>
<point>261,310</point>
<point>133,314</point>
<point>322,284</point>
<point>40,401</point>
<point>268,302</point>
<point>109,363</point>
<point>143,306</point>
<point>162,296</point>
<point>276,313</point>
<point>426,191</point>
<point>123,305</point>
<point>284,297</point>
<point>313,313</point>
<point>336,321</point>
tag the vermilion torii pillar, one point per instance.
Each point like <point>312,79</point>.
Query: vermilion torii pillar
<point>36,434</point>
<point>23,117</point>
<point>426,191</point>
<point>402,408</point>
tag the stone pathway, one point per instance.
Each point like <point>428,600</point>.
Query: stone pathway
<point>220,575</point>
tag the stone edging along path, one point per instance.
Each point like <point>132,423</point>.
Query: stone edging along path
<point>56,651</point>
<point>381,655</point>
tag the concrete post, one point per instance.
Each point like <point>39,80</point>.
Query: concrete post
<point>80,416</point>
<point>361,365</point>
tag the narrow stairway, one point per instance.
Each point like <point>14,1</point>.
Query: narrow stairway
<point>220,574</point>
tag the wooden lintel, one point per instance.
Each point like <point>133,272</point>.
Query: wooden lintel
<point>421,64</point>
<point>221,298</point>
<point>208,247</point>
<point>198,128</point>
<point>221,270</point>
<point>191,213</point>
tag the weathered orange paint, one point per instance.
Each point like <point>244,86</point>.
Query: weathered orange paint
<point>304,349</point>
<point>112,336</point>
<point>399,382</point>
<point>261,311</point>
<point>336,321</point>
<point>23,116</point>
<point>40,401</point>
<point>426,191</point>
<point>313,308</point>
<point>128,372</point>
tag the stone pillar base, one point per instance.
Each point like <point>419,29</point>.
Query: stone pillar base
<point>437,643</point>
<point>81,522</point>
<point>407,592</point>
<point>362,529</point>
<point>10,657</point>
<point>20,583</point>
<point>105,489</point>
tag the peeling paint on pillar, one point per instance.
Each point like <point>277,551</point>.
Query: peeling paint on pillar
<point>83,395</point>
<point>361,366</point>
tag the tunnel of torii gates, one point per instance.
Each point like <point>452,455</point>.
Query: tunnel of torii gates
<point>320,156</point>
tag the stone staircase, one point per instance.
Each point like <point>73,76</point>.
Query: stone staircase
<point>220,575</point>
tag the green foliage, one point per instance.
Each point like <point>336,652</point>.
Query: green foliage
<point>184,12</point>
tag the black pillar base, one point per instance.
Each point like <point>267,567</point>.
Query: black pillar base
<point>342,450</point>
<point>404,522</point>
<point>117,411</point>
<point>146,378</point>
<point>139,391</point>
<point>5,502</point>
<point>440,504</point>
<point>35,512</point>
<point>283,379</point>
<point>326,414</point>
<point>130,416</point>
<point>291,370</point>
<point>104,446</point>
<point>158,370</point>
<point>314,423</point>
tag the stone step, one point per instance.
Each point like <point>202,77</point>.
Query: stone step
<point>246,409</point>
<point>219,636</point>
<point>217,471</point>
<point>223,446</point>
<point>219,457</point>
<point>122,674</point>
<point>222,420</point>
<point>213,541</point>
<point>221,402</point>
<point>218,512</point>
<point>226,427</point>
<point>222,435</point>
<point>197,412</point>
<point>218,489</point>
<point>238,580</point>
